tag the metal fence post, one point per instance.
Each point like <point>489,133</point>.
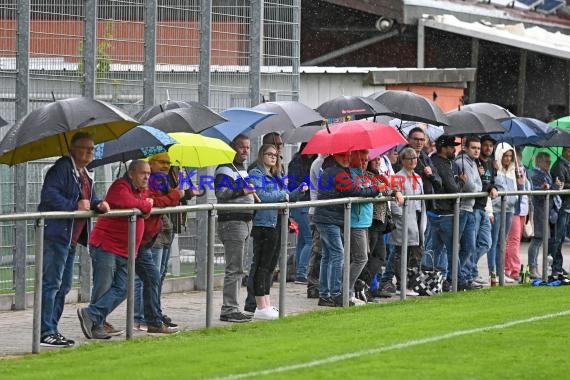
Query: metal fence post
<point>149,74</point>
<point>210,267</point>
<point>404,253</point>
<point>346,259</point>
<point>502,242</point>
<point>545,235</point>
<point>40,223</point>
<point>455,250</point>
<point>131,274</point>
<point>21,170</point>
<point>90,49</point>
<point>283,261</point>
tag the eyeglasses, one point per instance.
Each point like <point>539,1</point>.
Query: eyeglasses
<point>272,155</point>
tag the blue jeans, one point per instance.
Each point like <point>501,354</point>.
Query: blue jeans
<point>330,280</point>
<point>467,248</point>
<point>533,249</point>
<point>304,242</point>
<point>156,256</point>
<point>555,245</point>
<point>492,256</point>
<point>101,307</point>
<point>57,279</point>
<point>146,267</point>
<point>483,239</point>
<point>440,242</point>
<point>103,265</point>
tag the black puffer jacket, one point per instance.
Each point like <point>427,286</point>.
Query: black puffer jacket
<point>337,182</point>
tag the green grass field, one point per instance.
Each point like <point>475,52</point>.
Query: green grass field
<point>500,333</point>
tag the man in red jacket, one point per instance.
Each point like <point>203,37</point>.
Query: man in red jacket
<point>158,235</point>
<point>109,251</point>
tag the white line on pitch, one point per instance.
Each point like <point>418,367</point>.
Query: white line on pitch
<point>396,346</point>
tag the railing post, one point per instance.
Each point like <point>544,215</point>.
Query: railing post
<point>502,241</point>
<point>545,235</point>
<point>283,261</point>
<point>131,274</point>
<point>456,242</point>
<point>404,252</point>
<point>346,260</point>
<point>40,223</point>
<point>210,267</point>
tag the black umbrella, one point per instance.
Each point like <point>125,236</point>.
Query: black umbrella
<point>139,142</point>
<point>47,131</point>
<point>463,123</point>
<point>406,105</point>
<point>288,115</point>
<point>152,111</point>
<point>346,108</point>
<point>493,110</point>
<point>195,119</point>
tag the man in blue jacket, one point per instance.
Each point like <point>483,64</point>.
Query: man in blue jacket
<point>67,187</point>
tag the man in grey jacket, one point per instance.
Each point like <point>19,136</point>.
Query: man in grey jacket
<point>234,227</point>
<point>468,167</point>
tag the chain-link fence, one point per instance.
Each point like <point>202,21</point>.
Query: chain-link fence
<point>145,52</point>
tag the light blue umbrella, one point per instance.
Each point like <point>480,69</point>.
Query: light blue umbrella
<point>240,121</point>
<point>140,142</point>
<point>517,132</point>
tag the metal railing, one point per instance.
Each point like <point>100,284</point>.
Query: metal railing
<point>40,217</point>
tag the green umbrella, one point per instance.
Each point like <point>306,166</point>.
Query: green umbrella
<point>554,152</point>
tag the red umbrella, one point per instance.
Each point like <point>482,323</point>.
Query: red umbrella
<point>354,135</point>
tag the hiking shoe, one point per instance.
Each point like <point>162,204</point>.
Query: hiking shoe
<point>54,340</point>
<point>327,301</point>
<point>469,286</point>
<point>99,333</point>
<point>386,290</point>
<point>235,317</point>
<point>140,327</point>
<point>70,342</point>
<point>111,330</point>
<point>168,321</point>
<point>312,293</point>
<point>85,321</point>
<point>266,314</point>
<point>162,329</point>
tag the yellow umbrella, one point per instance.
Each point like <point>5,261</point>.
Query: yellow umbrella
<point>199,151</point>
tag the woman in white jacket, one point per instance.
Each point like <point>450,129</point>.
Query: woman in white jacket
<point>505,180</point>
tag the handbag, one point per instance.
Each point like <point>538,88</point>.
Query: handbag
<point>426,282</point>
<point>389,225</point>
<point>528,230</point>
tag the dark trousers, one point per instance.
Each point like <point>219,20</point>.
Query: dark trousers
<point>377,257</point>
<point>266,249</point>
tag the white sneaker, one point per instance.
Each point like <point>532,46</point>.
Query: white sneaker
<point>480,280</point>
<point>509,280</point>
<point>411,293</point>
<point>266,314</point>
<point>356,302</point>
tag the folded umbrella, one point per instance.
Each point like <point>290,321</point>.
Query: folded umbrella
<point>48,130</point>
<point>354,135</point>
<point>240,121</point>
<point>195,118</point>
<point>140,142</point>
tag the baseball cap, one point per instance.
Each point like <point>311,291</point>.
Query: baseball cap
<point>443,141</point>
